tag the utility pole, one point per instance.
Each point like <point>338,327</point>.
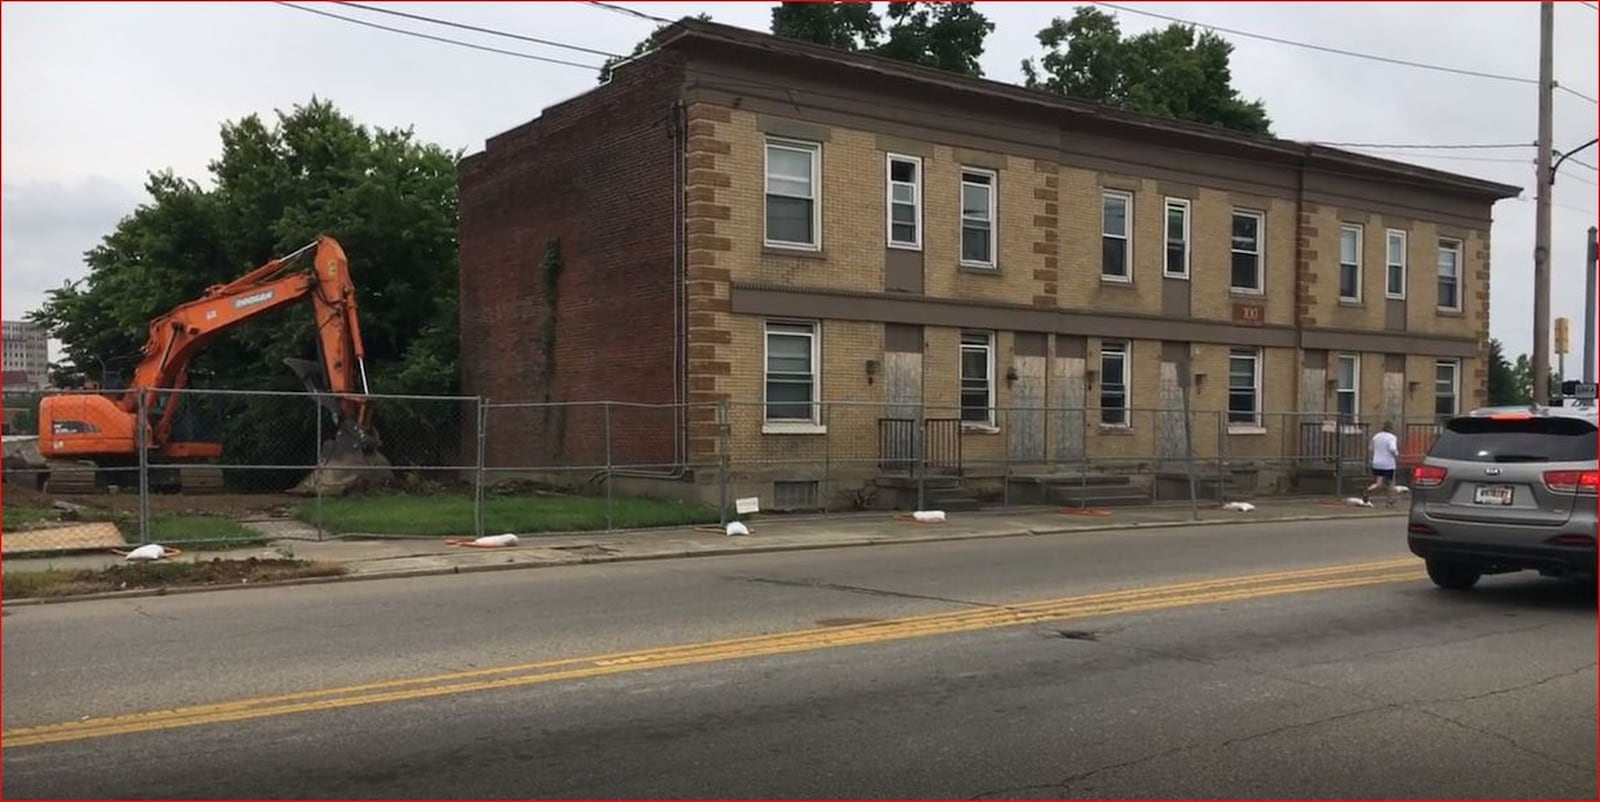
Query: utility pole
<point>1541,246</point>
<point>1589,312</point>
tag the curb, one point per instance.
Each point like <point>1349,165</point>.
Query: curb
<point>677,555</point>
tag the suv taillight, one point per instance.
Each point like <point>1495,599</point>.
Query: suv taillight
<point>1583,482</point>
<point>1428,476</point>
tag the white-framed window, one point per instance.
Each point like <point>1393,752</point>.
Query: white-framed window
<point>791,372</point>
<point>1177,236</point>
<point>1116,240</point>
<point>1246,271</point>
<point>1450,274</point>
<point>978,217</point>
<point>977,377</point>
<point>905,202</point>
<point>1244,387</point>
<point>1446,387</point>
<point>793,194</point>
<point>1347,387</point>
<point>1113,383</point>
<point>1350,237</point>
<point>1394,264</point>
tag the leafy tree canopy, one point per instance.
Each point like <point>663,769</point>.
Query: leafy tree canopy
<point>389,199</point>
<point>1173,71</point>
<point>949,36</point>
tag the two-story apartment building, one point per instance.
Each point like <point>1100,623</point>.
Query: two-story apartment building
<point>849,252</point>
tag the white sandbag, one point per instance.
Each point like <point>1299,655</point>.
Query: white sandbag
<point>149,551</point>
<point>496,540</point>
<point>737,528</point>
<point>1357,502</point>
<point>928,516</point>
<point>1239,506</point>
<point>1402,489</point>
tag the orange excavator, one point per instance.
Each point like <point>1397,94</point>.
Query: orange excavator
<point>80,436</point>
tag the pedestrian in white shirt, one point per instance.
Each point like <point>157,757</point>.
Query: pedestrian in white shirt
<point>1385,457</point>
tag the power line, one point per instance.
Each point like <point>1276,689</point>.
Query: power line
<point>624,10</point>
<point>1324,49</point>
<point>490,31</point>
<point>1589,4</point>
<point>1575,93</point>
<point>441,39</point>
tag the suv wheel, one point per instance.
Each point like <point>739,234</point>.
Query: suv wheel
<point>1453,576</point>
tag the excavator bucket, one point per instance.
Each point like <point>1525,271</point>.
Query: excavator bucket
<point>351,460</point>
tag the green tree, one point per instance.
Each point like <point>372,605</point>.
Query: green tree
<point>1503,387</point>
<point>1173,71</point>
<point>845,25</point>
<point>949,36</point>
<point>645,45</point>
<point>389,199</point>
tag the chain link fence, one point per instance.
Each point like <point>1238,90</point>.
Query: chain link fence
<point>225,467</point>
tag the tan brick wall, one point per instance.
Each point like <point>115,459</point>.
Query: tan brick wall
<point>1211,238</point>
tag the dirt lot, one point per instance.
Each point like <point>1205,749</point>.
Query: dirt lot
<point>139,576</point>
<point>231,506</point>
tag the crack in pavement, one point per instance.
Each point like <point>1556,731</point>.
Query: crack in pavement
<point>820,585</point>
<point>1512,689</point>
<point>1508,739</point>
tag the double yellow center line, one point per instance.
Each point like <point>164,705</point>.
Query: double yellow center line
<point>1098,604</point>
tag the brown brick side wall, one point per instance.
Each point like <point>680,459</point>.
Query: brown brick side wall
<point>597,173</point>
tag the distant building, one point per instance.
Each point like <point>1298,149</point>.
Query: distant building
<point>27,363</point>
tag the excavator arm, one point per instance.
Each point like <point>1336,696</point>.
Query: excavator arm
<point>176,337</point>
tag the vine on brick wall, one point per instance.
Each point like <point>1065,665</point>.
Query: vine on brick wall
<point>550,276</point>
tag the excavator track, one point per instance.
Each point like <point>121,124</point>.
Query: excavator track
<point>200,480</point>
<point>82,478</point>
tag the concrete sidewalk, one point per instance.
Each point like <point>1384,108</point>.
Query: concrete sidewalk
<point>424,556</point>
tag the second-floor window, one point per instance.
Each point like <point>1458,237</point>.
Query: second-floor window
<point>1350,263</point>
<point>1394,268</point>
<point>1177,265</point>
<point>1450,275</point>
<point>905,202</point>
<point>1445,386</point>
<point>977,218</point>
<point>1348,386</point>
<point>1116,226</point>
<point>1246,268</point>
<point>793,214</point>
<point>977,377</point>
<point>1113,383</point>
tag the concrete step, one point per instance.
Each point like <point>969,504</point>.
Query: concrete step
<point>1099,497</point>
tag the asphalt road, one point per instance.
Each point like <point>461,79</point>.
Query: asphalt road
<point>1239,661</point>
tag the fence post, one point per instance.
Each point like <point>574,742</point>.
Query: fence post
<point>1338,455</point>
<point>1007,419</point>
<point>919,450</point>
<point>606,405</point>
<point>316,462</point>
<point>1188,446</point>
<point>481,424</point>
<point>723,438</point>
<point>827,458</point>
<point>142,427</point>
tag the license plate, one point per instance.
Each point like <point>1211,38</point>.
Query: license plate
<point>1493,494</point>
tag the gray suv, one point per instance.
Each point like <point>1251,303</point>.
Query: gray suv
<point>1508,489</point>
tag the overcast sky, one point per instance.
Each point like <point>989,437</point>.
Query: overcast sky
<point>96,95</point>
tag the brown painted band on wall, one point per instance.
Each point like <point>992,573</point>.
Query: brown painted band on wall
<point>746,299</point>
<point>907,147</point>
<point>1367,342</point>
<point>967,157</point>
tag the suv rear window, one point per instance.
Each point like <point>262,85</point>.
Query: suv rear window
<point>1526,440</point>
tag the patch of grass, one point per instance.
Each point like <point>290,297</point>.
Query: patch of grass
<point>452,515</point>
<point>137,576</point>
<point>193,532</point>
<point>17,516</point>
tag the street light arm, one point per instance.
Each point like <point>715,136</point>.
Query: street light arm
<point>1565,156</point>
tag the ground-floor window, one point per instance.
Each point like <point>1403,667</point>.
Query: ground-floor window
<point>791,375</point>
<point>1244,387</point>
<point>977,377</point>
<point>1347,378</point>
<point>1113,383</point>
<point>1446,386</point>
